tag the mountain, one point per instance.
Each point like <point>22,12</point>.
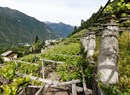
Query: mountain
<point>61,28</point>
<point>17,27</point>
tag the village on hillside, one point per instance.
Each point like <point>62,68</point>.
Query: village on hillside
<point>13,55</point>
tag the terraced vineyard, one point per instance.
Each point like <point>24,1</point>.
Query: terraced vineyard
<point>16,76</point>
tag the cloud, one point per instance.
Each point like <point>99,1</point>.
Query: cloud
<point>68,11</point>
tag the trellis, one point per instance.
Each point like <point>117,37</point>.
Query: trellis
<point>69,86</point>
<point>95,30</point>
<point>105,24</point>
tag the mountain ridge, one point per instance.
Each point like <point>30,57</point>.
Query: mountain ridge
<point>61,28</point>
<point>17,27</point>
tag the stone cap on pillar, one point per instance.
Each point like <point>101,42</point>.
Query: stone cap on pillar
<point>89,33</point>
<point>96,28</point>
<point>109,24</point>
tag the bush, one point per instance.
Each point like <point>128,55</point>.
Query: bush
<point>1,60</point>
<point>30,58</point>
<point>37,46</point>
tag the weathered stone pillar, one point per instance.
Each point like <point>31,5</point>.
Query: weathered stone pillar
<point>91,44</point>
<point>108,54</point>
<point>84,42</point>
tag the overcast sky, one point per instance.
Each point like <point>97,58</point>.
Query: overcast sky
<point>67,11</point>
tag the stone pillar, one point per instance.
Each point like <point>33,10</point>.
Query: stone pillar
<point>91,44</point>
<point>108,54</point>
<point>84,42</point>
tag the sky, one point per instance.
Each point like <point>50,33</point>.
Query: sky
<point>67,11</point>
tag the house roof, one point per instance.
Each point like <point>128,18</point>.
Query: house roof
<point>6,53</point>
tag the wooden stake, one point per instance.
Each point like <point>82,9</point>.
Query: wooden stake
<point>51,61</point>
<point>84,83</point>
<point>43,69</point>
<point>39,91</point>
<point>74,92</point>
<point>16,63</point>
<point>52,82</point>
<point>78,89</point>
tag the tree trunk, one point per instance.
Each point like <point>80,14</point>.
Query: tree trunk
<point>108,55</point>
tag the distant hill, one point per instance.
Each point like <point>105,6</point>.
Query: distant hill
<point>61,28</point>
<point>17,27</point>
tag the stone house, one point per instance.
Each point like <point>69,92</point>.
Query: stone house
<point>9,55</point>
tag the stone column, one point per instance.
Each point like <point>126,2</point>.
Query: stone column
<point>84,41</point>
<point>108,54</point>
<point>91,44</point>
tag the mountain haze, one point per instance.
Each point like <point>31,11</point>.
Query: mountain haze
<point>17,27</point>
<point>61,28</point>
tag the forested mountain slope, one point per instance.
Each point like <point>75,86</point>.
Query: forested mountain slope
<point>17,27</point>
<point>61,28</point>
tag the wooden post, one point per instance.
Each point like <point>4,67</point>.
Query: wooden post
<point>74,92</point>
<point>43,69</point>
<point>84,83</point>
<point>40,91</point>
<point>16,63</point>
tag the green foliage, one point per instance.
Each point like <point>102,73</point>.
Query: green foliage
<point>8,71</point>
<point>110,90</point>
<point>115,9</point>
<point>21,50</point>
<point>123,6</point>
<point>117,6</point>
<point>35,82</point>
<point>68,52</point>
<point>36,39</point>
<point>30,58</point>
<point>63,52</point>
<point>1,60</point>
<point>68,72</point>
<point>124,60</point>
<point>72,69</point>
<point>11,89</point>
<point>114,90</point>
<point>108,8</point>
<point>125,23</point>
<point>37,46</point>
<point>89,71</point>
<point>28,68</point>
<point>79,34</point>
